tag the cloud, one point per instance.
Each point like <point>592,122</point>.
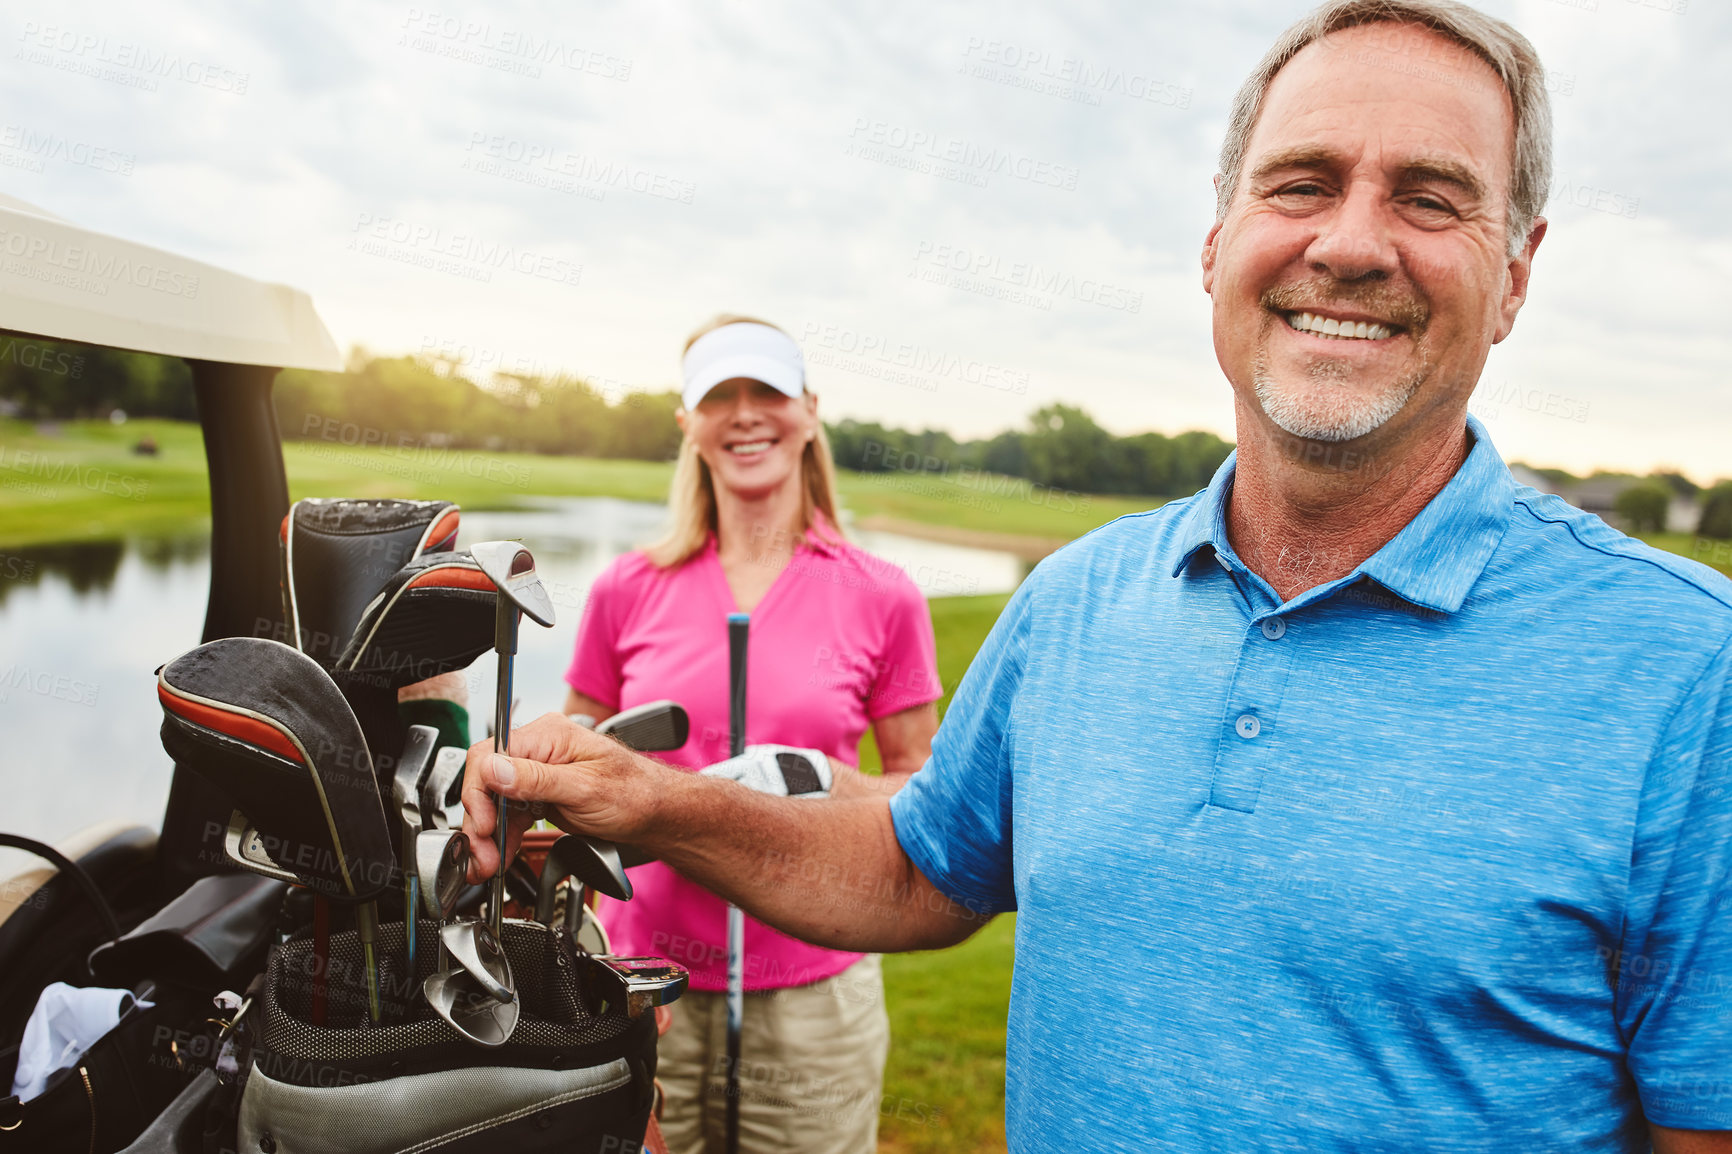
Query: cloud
<point>643,166</point>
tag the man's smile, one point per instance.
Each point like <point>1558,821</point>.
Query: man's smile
<point>1340,326</point>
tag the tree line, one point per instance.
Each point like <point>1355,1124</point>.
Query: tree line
<point>429,402</point>
<point>1061,447</point>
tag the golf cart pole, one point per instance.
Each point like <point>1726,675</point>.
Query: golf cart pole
<point>739,625</point>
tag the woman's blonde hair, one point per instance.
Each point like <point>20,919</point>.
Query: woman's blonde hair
<point>692,496</point>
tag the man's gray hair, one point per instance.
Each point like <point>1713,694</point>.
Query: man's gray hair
<point>1508,52</point>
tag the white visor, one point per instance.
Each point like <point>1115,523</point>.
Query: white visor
<point>742,349</point>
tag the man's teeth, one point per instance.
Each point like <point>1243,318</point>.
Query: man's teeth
<point>749,447</point>
<point>1330,327</point>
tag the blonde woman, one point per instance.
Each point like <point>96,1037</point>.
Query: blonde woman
<point>840,641</point>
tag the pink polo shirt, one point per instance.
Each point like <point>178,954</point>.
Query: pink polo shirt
<point>840,640</point>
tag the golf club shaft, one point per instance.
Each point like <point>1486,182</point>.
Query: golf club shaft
<point>411,901</point>
<point>739,625</point>
<point>501,744</point>
<point>367,930</point>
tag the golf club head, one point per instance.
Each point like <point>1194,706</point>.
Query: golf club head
<point>439,785</point>
<point>263,723</point>
<point>338,552</point>
<point>412,768</point>
<point>442,864</point>
<point>434,615</point>
<point>592,862</point>
<point>630,985</point>
<point>245,848</point>
<point>457,997</point>
<point>511,568</point>
<point>474,948</point>
<point>653,727</point>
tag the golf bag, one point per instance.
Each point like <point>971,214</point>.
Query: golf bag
<point>569,1079</point>
<point>212,936</point>
<point>305,1066</point>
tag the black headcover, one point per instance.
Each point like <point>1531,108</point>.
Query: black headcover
<point>270,729</point>
<point>338,553</point>
<point>434,615</point>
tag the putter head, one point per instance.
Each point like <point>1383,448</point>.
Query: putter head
<point>442,865</point>
<point>457,997</point>
<point>412,769</point>
<point>653,727</point>
<point>266,725</point>
<point>438,787</point>
<point>593,862</point>
<point>511,568</point>
<point>474,948</point>
<point>630,985</point>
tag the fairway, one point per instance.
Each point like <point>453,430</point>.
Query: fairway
<point>81,481</point>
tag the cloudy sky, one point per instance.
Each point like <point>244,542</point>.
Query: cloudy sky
<point>575,190</point>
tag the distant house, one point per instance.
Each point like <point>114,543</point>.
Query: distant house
<point>1599,496</point>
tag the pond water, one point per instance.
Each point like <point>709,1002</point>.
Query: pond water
<point>83,628</point>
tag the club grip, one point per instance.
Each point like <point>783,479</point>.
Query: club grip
<point>739,626</point>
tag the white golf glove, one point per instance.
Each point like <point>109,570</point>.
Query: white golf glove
<point>778,770</point>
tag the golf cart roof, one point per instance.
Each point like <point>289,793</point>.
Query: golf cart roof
<point>64,282</point>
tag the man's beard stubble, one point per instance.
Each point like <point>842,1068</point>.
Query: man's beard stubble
<point>1328,411</point>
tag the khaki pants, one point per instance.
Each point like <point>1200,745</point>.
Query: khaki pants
<point>811,1067</point>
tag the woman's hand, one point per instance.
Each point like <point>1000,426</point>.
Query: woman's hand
<point>581,782</point>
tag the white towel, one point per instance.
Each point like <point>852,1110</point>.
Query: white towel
<point>67,1021</point>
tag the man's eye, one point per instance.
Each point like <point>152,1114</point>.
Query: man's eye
<point>1430,205</point>
<point>1301,190</point>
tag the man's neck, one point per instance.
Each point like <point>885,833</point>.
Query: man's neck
<point>1304,513</point>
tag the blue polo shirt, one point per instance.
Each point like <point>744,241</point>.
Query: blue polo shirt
<point>1435,856</point>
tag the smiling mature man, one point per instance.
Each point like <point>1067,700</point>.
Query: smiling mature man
<point>1364,801</point>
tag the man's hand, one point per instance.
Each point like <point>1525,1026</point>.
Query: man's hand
<point>829,872</point>
<point>581,782</point>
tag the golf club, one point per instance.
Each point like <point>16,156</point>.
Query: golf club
<point>653,727</point>
<point>590,864</point>
<point>466,997</point>
<point>244,846</point>
<point>436,804</point>
<point>633,984</point>
<point>739,626</point>
<point>511,568</point>
<point>266,724</point>
<point>412,766</point>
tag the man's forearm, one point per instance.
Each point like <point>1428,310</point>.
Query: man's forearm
<point>829,872</point>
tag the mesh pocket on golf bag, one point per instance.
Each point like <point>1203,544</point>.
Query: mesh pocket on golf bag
<point>555,1031</point>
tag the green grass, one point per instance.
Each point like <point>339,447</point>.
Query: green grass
<point>983,502</point>
<point>944,1083</point>
<point>1704,549</point>
<point>85,483</point>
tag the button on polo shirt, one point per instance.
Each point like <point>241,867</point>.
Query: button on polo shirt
<point>1432,857</point>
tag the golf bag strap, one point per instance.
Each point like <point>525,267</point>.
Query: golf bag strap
<point>653,1142</point>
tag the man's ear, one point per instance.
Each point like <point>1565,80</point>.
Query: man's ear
<point>1209,258</point>
<point>1521,268</point>
<point>1209,246</point>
